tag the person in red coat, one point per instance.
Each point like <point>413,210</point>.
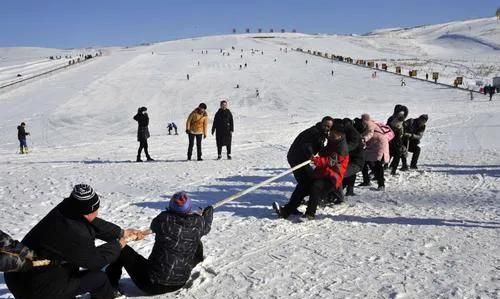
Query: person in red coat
<point>331,165</point>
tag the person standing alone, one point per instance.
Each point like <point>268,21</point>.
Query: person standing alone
<point>196,127</point>
<point>223,128</point>
<point>142,119</point>
<point>21,136</point>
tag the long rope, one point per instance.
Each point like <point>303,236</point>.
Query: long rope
<point>241,193</point>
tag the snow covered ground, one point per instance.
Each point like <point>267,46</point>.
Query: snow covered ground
<point>434,233</point>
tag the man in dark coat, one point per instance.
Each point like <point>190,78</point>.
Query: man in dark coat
<point>397,148</point>
<point>307,144</point>
<point>223,127</point>
<point>413,132</point>
<point>176,251</point>
<point>356,155</point>
<point>67,234</point>
<point>21,136</point>
<point>142,119</point>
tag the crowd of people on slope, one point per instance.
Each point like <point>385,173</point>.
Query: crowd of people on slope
<point>340,148</point>
<point>58,257</point>
<point>196,129</point>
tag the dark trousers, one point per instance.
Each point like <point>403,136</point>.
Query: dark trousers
<point>137,267</point>
<point>350,176</point>
<point>219,149</point>
<point>304,179</point>
<point>191,144</point>
<point>80,282</point>
<point>320,189</point>
<point>378,170</point>
<point>96,283</point>
<point>143,144</point>
<point>415,149</point>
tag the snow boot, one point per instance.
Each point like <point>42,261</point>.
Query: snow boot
<point>381,188</point>
<point>364,184</point>
<point>138,159</point>
<point>229,157</point>
<point>219,157</point>
<point>308,216</point>
<point>150,159</point>
<point>279,210</point>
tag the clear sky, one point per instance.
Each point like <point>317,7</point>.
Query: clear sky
<point>76,23</point>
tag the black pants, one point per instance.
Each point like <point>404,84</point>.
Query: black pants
<point>350,176</point>
<point>320,189</point>
<point>96,283</point>
<point>191,144</point>
<point>415,149</point>
<point>143,144</point>
<point>223,140</point>
<point>378,169</point>
<point>137,267</point>
<point>304,180</point>
<point>80,282</point>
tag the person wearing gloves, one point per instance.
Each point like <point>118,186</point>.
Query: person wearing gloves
<point>196,127</point>
<point>21,136</point>
<point>307,144</point>
<point>67,235</point>
<point>413,132</point>
<point>176,251</point>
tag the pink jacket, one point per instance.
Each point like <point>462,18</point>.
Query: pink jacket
<point>377,145</point>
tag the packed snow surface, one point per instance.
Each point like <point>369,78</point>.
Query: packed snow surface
<point>434,233</point>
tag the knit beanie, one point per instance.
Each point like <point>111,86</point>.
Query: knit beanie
<point>83,199</point>
<point>180,203</point>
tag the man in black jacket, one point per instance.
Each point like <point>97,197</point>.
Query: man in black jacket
<point>307,144</point>
<point>67,234</point>
<point>413,132</point>
<point>142,119</point>
<point>356,155</point>
<point>176,251</point>
<point>223,127</point>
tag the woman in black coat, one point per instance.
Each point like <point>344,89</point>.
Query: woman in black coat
<point>223,128</point>
<point>142,119</point>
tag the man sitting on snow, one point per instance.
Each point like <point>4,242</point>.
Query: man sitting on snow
<point>67,234</point>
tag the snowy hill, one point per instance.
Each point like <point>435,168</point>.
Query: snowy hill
<point>433,234</point>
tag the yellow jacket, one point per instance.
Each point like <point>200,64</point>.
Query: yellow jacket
<point>197,123</point>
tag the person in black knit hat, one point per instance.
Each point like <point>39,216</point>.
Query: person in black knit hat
<point>67,235</point>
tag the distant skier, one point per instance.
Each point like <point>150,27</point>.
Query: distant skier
<point>245,64</point>
<point>403,82</point>
<point>187,76</point>
<point>196,128</point>
<point>21,136</point>
<point>332,73</point>
<point>306,61</point>
<point>257,94</point>
<point>491,91</point>
<point>471,95</point>
<point>426,76</point>
<point>223,127</point>
<point>142,119</point>
<point>374,75</point>
<point>172,127</point>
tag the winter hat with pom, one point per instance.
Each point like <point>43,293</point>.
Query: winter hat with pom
<point>180,203</point>
<point>83,199</point>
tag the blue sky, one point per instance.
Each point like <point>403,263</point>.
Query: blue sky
<point>76,23</point>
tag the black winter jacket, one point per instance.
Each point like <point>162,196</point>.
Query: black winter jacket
<point>21,133</point>
<point>14,256</point>
<point>223,126</point>
<point>177,238</point>
<point>143,123</point>
<point>411,126</point>
<point>68,238</point>
<point>355,146</point>
<point>308,143</point>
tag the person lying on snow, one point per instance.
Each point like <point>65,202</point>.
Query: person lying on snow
<point>177,249</point>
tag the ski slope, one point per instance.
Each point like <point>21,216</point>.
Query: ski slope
<point>434,233</point>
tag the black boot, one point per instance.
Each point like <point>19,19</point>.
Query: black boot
<point>138,159</point>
